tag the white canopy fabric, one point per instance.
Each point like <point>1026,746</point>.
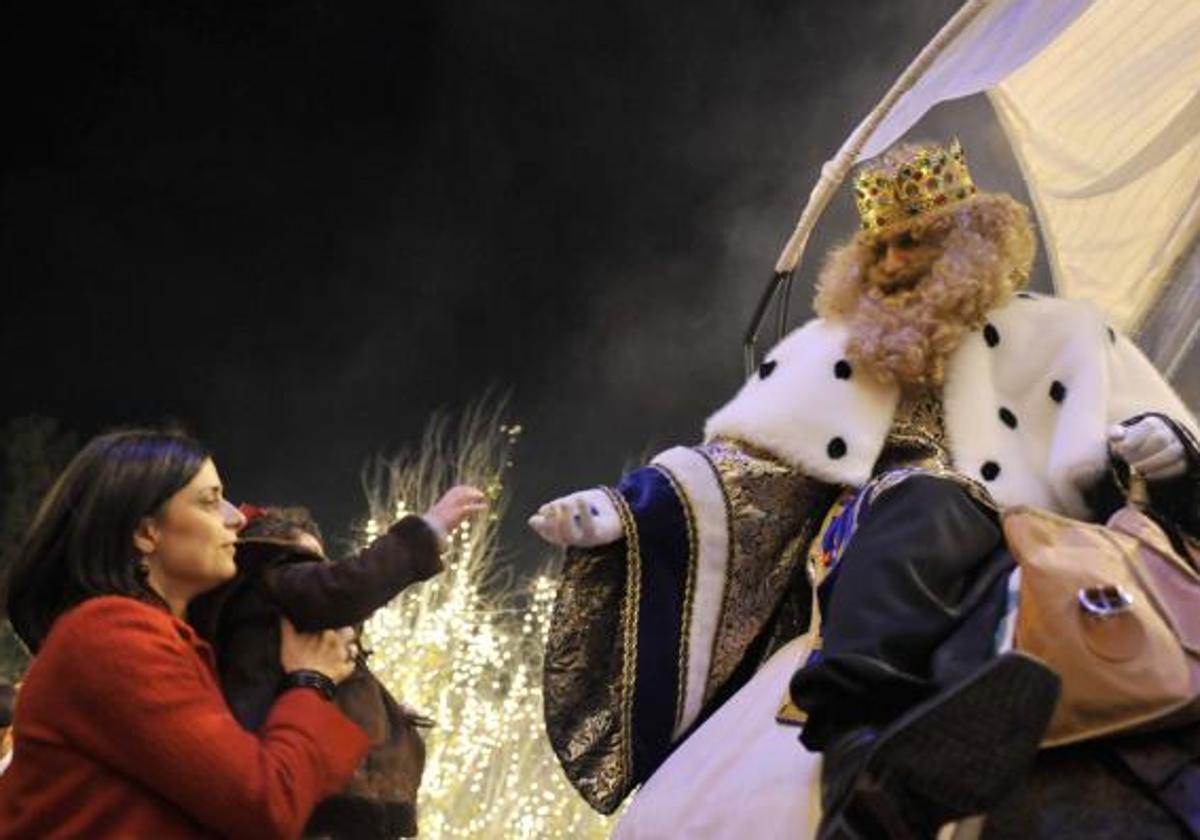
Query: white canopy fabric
<point>992,39</point>
<point>1100,100</point>
<point>1105,123</point>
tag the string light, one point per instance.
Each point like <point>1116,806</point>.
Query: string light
<point>465,648</point>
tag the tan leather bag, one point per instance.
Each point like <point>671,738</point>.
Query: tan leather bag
<point>1116,612</point>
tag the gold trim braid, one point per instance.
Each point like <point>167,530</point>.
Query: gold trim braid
<point>629,626</point>
<point>689,590</point>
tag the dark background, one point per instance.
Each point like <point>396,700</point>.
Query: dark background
<point>298,228</point>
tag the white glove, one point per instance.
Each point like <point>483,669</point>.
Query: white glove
<point>585,519</point>
<point>1150,447</point>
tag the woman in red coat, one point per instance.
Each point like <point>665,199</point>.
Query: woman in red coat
<point>121,729</point>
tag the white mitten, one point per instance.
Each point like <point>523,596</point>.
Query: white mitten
<point>1150,447</point>
<point>586,518</point>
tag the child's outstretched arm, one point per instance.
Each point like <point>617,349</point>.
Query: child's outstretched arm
<point>319,595</point>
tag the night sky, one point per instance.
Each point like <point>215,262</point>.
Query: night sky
<point>299,228</point>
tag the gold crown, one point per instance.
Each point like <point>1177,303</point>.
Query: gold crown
<point>926,178</point>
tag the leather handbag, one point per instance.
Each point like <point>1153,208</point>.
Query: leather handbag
<point>1115,610</point>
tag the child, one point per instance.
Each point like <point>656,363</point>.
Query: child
<point>282,570</point>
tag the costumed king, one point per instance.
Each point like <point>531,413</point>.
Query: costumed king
<point>685,577</point>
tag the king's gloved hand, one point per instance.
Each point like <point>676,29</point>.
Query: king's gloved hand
<point>1149,446</point>
<point>583,519</point>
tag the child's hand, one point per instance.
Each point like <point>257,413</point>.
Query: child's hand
<point>456,504</point>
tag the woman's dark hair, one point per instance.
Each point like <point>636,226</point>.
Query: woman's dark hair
<point>80,544</point>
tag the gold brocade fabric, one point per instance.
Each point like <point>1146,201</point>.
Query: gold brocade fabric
<point>918,434</point>
<point>774,510</point>
<point>591,652</point>
<point>587,677</point>
<point>917,444</point>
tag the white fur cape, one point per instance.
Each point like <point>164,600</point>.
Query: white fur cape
<point>1053,365</point>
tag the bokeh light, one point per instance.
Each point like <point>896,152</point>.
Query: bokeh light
<point>465,648</point>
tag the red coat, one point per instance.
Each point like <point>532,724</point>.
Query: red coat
<point>122,731</point>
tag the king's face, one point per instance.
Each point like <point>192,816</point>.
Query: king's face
<point>898,261</point>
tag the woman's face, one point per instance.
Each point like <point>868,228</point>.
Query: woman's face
<point>189,546</point>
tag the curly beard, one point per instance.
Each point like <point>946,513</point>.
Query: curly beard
<point>906,336</point>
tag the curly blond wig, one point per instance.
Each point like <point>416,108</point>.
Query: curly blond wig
<point>906,336</point>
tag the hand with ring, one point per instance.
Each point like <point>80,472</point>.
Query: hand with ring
<point>586,518</point>
<point>325,651</point>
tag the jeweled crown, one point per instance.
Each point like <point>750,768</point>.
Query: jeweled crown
<point>926,178</point>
